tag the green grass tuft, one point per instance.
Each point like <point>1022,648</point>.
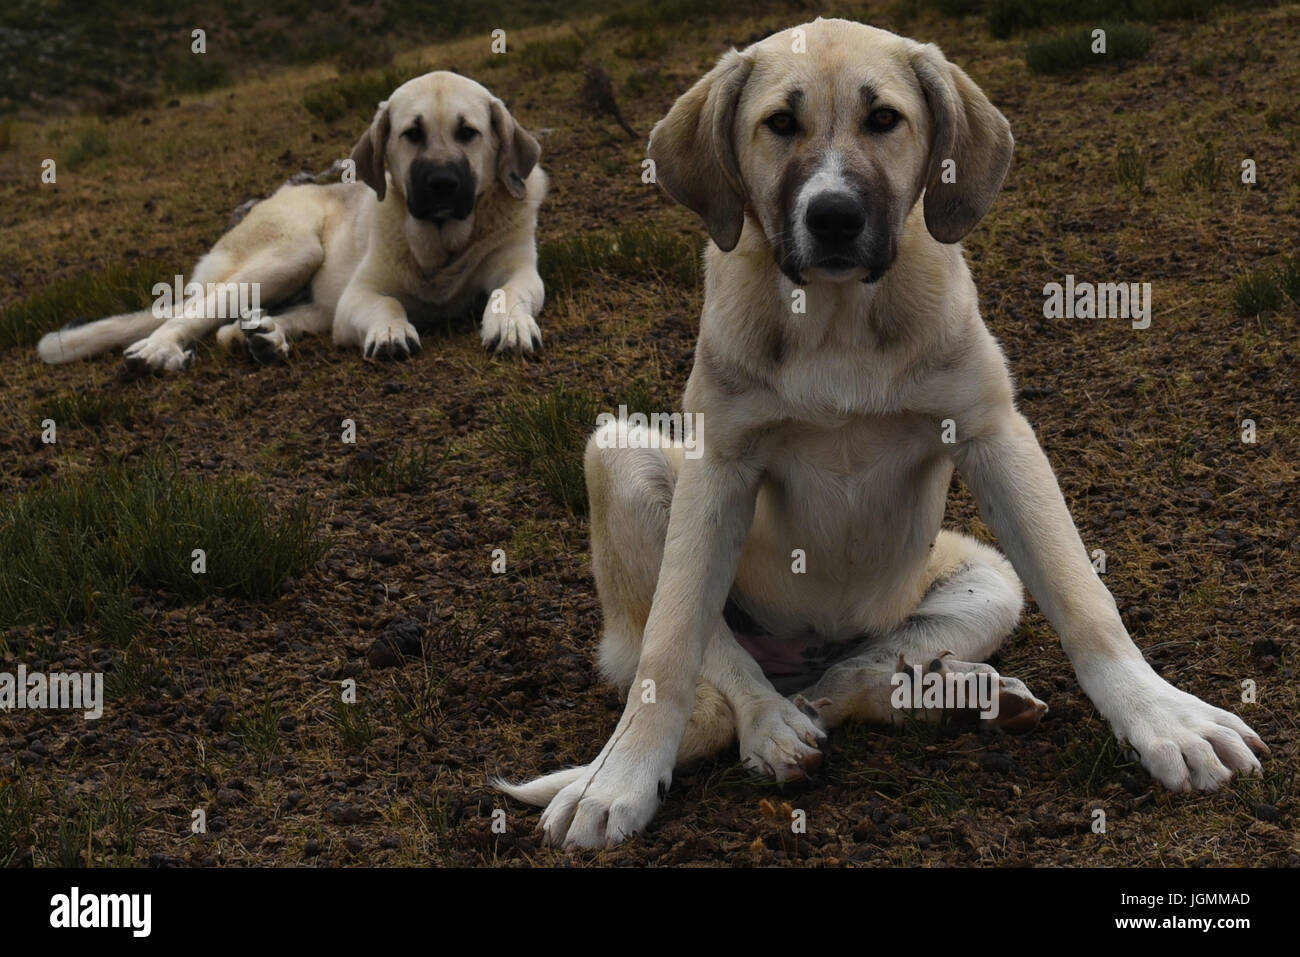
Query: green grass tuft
<point>1131,167</point>
<point>639,253</point>
<point>1265,289</point>
<point>1288,277</point>
<point>648,45</point>
<point>1005,17</point>
<point>561,54</point>
<point>73,547</point>
<point>91,409</point>
<point>190,72</point>
<point>353,94</point>
<point>258,729</point>
<point>1070,51</point>
<point>547,435</point>
<point>87,144</point>
<point>94,295</point>
<point>407,470</point>
<point>1206,171</point>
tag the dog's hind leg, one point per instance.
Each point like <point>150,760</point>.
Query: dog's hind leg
<point>267,338</point>
<point>279,270</point>
<point>971,606</point>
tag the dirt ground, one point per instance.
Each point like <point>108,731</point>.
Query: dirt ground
<point>235,704</point>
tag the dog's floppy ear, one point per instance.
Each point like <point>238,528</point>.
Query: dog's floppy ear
<point>368,154</point>
<point>517,151</point>
<point>694,152</point>
<point>968,130</point>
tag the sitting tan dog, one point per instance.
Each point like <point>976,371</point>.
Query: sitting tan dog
<point>442,211</point>
<point>842,373</point>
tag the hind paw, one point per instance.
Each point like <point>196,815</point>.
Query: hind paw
<point>151,357</point>
<point>1010,706</point>
<point>265,340</point>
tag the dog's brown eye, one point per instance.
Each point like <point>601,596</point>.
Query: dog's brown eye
<point>465,134</point>
<point>413,135</point>
<point>782,124</point>
<point>883,120</point>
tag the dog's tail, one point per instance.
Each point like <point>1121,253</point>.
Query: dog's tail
<point>81,340</point>
<point>539,792</point>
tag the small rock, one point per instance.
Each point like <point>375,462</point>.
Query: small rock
<point>1267,812</point>
<point>1266,648</point>
<point>340,812</point>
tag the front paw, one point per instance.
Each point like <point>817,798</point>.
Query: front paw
<point>603,807</point>
<point>782,737</point>
<point>513,330</point>
<point>152,357</point>
<point>392,339</point>
<point>1183,742</point>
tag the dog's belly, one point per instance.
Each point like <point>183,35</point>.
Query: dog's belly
<point>841,534</point>
<point>789,660</point>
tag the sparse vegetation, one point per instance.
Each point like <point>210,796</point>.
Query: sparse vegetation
<point>87,144</point>
<point>1265,289</point>
<point>1206,171</point>
<point>86,408</point>
<point>406,469</point>
<point>647,45</point>
<point>355,95</point>
<point>1006,17</point>
<point>1070,51</point>
<point>560,54</point>
<point>93,295</point>
<point>258,728</point>
<point>73,547</point>
<point>1131,167</point>
<point>634,252</point>
<point>547,435</point>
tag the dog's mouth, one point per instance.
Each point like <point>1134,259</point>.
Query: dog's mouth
<point>439,213</point>
<point>440,192</point>
<point>832,269</point>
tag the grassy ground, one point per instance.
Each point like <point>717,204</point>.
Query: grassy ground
<point>225,700</point>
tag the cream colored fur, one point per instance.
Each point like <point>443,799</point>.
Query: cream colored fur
<point>825,431</point>
<point>369,265</point>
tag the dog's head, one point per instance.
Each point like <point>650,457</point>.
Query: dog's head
<point>827,134</point>
<point>445,141</point>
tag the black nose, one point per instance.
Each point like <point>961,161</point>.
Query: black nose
<point>442,182</point>
<point>835,217</point>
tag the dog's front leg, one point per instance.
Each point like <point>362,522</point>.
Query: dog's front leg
<point>1182,741</point>
<point>374,322</point>
<point>619,792</point>
<point>515,297</point>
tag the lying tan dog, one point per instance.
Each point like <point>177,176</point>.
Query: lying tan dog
<point>842,373</point>
<point>443,211</point>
